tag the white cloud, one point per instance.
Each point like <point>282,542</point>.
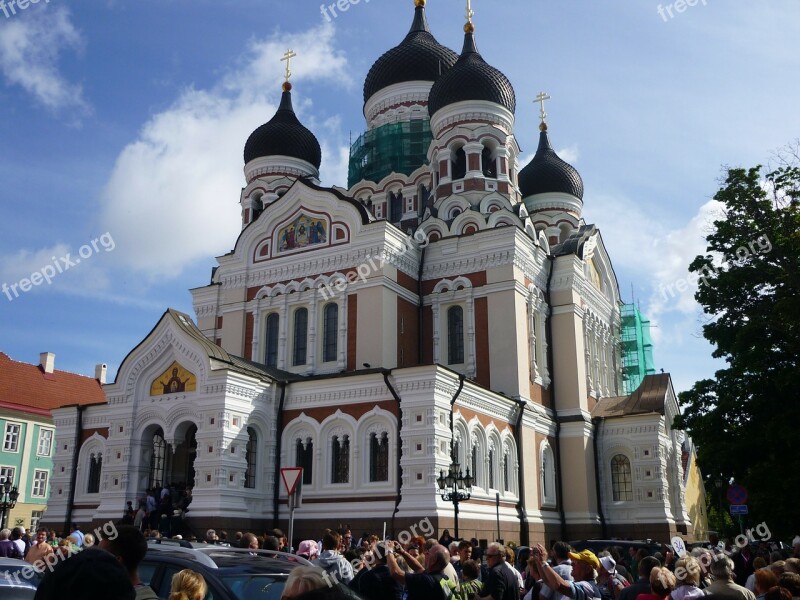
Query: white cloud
<point>569,154</point>
<point>173,195</point>
<point>30,45</point>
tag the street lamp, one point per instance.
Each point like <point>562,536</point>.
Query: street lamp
<point>455,487</point>
<point>8,500</point>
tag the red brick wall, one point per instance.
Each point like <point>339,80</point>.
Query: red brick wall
<point>408,334</point>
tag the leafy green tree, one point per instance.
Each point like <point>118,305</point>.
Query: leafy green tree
<point>746,421</point>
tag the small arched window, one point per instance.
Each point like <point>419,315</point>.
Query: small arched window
<point>304,458</point>
<point>488,163</point>
<point>548,476</point>
<point>460,164</point>
<point>492,455</point>
<point>621,480</point>
<point>506,474</point>
<point>300,336</point>
<point>455,335</point>
<point>396,207</point>
<point>340,459</point>
<point>330,332</point>
<point>95,470</point>
<point>250,455</point>
<point>379,457</point>
<point>271,353</point>
<point>474,465</point>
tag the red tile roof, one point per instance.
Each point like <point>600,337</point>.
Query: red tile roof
<point>28,388</point>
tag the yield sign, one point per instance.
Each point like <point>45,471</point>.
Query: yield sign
<point>291,476</point>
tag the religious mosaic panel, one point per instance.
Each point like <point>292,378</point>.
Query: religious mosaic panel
<point>175,379</point>
<point>304,231</point>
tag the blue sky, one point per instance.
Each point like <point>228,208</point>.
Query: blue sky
<point>130,118</point>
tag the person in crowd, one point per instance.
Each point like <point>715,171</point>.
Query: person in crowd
<point>188,585</point>
<point>796,546</point>
<point>211,537</point>
<point>669,558</point>
<point>449,570</point>
<point>308,549</point>
<point>501,583</point>
<point>470,584</point>
<point>662,583</point>
<point>129,548</point>
<point>139,517</point>
<point>77,535</point>
<point>742,564</point>
<point>16,537</point>
<point>584,565</point>
<point>765,580</point>
<point>689,572</point>
<point>561,564</point>
<point>509,564</point>
<point>759,562</point>
<point>88,540</point>
<point>641,585</point>
<point>792,566</point>
<point>40,549</point>
<point>425,583</point>
<point>446,539</point>
<point>464,553</point>
<point>609,581</point>
<point>331,561</point>
<point>89,575</point>
<point>357,559</point>
<point>312,583</point>
<point>8,549</point>
<point>249,541</point>
<point>723,585</point>
<point>790,581</point>
<point>377,583</point>
<point>271,543</point>
<point>777,593</point>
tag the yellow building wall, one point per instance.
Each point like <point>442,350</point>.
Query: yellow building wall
<point>696,502</point>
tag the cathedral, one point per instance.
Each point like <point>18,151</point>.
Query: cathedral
<point>446,307</point>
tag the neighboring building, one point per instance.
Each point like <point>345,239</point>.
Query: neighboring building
<point>637,348</point>
<point>329,338</point>
<point>696,501</point>
<point>27,395</point>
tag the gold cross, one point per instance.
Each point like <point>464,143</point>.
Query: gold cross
<point>290,54</point>
<point>540,99</point>
<point>470,12</point>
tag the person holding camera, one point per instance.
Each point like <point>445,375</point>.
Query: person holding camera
<point>427,582</point>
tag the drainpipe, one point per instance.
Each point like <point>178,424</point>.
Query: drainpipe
<point>461,379</point>
<point>550,364</point>
<point>277,487</point>
<point>597,422</point>
<point>399,442</point>
<point>74,475</point>
<point>524,534</point>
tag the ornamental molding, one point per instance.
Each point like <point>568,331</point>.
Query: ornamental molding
<point>329,398</point>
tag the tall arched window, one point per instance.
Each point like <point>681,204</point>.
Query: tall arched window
<point>379,457</point>
<point>250,455</point>
<point>271,354</point>
<point>300,336</point>
<point>474,465</point>
<point>305,458</point>
<point>491,482</point>
<point>506,480</point>
<point>158,460</point>
<point>330,332</point>
<point>456,450</point>
<point>547,477</point>
<point>621,480</point>
<point>340,459</point>
<point>460,164</point>
<point>95,470</point>
<point>455,335</point>
<point>488,163</point>
<point>395,207</point>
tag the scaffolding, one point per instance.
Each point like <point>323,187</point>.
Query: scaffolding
<point>398,147</point>
<point>637,348</point>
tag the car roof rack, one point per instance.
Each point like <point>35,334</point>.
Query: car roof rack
<point>190,553</point>
<point>287,556</point>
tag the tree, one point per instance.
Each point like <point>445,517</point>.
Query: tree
<point>746,421</point>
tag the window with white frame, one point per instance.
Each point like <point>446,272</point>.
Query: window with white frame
<point>45,444</point>
<point>455,335</point>
<point>36,516</point>
<point>300,349</point>
<point>251,451</point>
<point>340,459</point>
<point>271,339</point>
<point>492,456</point>
<point>379,456</point>
<point>95,470</point>
<point>621,479</point>
<point>330,330</point>
<point>7,474</point>
<point>11,437</point>
<point>39,484</point>
<point>547,475</point>
<point>304,454</point>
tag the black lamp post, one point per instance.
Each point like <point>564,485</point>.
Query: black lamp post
<point>455,487</point>
<point>8,500</point>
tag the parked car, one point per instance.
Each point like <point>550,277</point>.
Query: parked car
<point>231,573</point>
<point>14,585</point>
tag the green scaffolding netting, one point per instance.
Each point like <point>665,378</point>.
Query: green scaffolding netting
<point>398,147</point>
<point>637,348</point>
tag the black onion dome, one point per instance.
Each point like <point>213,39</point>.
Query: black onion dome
<point>548,173</point>
<point>472,78</point>
<point>419,57</point>
<point>283,135</point>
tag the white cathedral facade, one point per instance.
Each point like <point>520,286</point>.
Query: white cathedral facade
<point>447,304</point>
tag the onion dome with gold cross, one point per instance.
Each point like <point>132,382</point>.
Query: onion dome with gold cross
<point>471,79</point>
<point>419,57</point>
<point>285,136</point>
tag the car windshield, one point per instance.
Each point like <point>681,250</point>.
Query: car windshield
<point>253,586</point>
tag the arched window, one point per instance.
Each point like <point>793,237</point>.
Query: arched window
<point>300,336</point>
<point>455,335</point>
<point>456,450</point>
<point>379,457</point>
<point>474,465</point>
<point>422,199</point>
<point>250,455</point>
<point>271,355</point>
<point>460,164</point>
<point>158,459</point>
<point>95,470</point>
<point>395,206</point>
<point>488,163</point>
<point>330,332</point>
<point>340,459</point>
<point>506,480</point>
<point>547,477</point>
<point>491,468</point>
<point>621,480</point>
<point>305,458</point>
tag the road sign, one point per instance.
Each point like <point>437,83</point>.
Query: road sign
<point>679,545</point>
<point>736,494</point>
<point>738,509</point>
<point>290,476</point>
